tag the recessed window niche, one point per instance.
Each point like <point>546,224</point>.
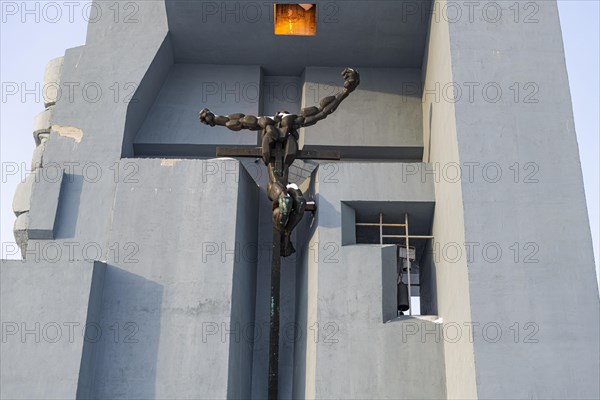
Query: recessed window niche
<point>295,19</point>
<point>407,225</point>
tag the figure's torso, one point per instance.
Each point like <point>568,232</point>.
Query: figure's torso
<point>286,127</point>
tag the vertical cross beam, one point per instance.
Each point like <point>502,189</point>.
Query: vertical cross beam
<point>274,324</point>
<point>276,255</point>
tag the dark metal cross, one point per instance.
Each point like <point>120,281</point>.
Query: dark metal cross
<point>276,254</point>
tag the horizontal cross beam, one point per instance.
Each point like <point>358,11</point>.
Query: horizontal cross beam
<point>257,152</point>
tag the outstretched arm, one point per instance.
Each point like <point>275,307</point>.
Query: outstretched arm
<point>311,115</point>
<point>235,122</point>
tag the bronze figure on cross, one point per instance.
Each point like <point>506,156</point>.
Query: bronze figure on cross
<point>279,150</point>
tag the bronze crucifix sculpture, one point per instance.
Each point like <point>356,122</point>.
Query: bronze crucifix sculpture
<point>279,150</point>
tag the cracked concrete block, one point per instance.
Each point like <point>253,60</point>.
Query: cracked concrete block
<point>22,198</point>
<point>68,131</point>
<point>36,160</point>
<point>20,231</point>
<point>42,124</point>
<point>44,206</point>
<point>52,74</point>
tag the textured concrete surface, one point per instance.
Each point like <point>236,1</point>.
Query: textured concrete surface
<point>20,231</point>
<point>46,308</point>
<point>37,160</point>
<point>45,197</point>
<point>545,216</point>
<point>281,93</point>
<point>52,81</point>
<point>22,199</point>
<point>441,149</point>
<point>189,88</point>
<point>384,113</point>
<point>190,294</point>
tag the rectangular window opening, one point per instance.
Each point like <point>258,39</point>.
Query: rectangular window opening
<point>389,223</point>
<point>295,19</point>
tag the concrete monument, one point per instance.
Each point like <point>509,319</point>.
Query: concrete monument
<point>148,260</point>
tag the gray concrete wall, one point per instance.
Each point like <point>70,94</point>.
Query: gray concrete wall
<point>244,289</point>
<point>171,127</point>
<point>359,356</point>
<point>543,212</point>
<point>88,122</point>
<point>281,93</point>
<point>175,313</point>
<point>441,149</point>
<point>189,288</point>
<point>146,93</point>
<point>381,119</point>
<point>45,309</point>
<point>306,309</point>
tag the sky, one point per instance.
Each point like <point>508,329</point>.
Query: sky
<point>28,40</point>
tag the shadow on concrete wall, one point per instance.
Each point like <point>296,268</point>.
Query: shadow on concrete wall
<point>243,292</point>
<point>305,230</point>
<point>427,277</point>
<point>329,216</point>
<point>129,334</point>
<point>398,81</point>
<point>68,206</point>
<point>145,94</point>
<point>300,345</point>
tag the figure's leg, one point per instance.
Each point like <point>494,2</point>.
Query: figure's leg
<point>299,204</point>
<point>282,204</point>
